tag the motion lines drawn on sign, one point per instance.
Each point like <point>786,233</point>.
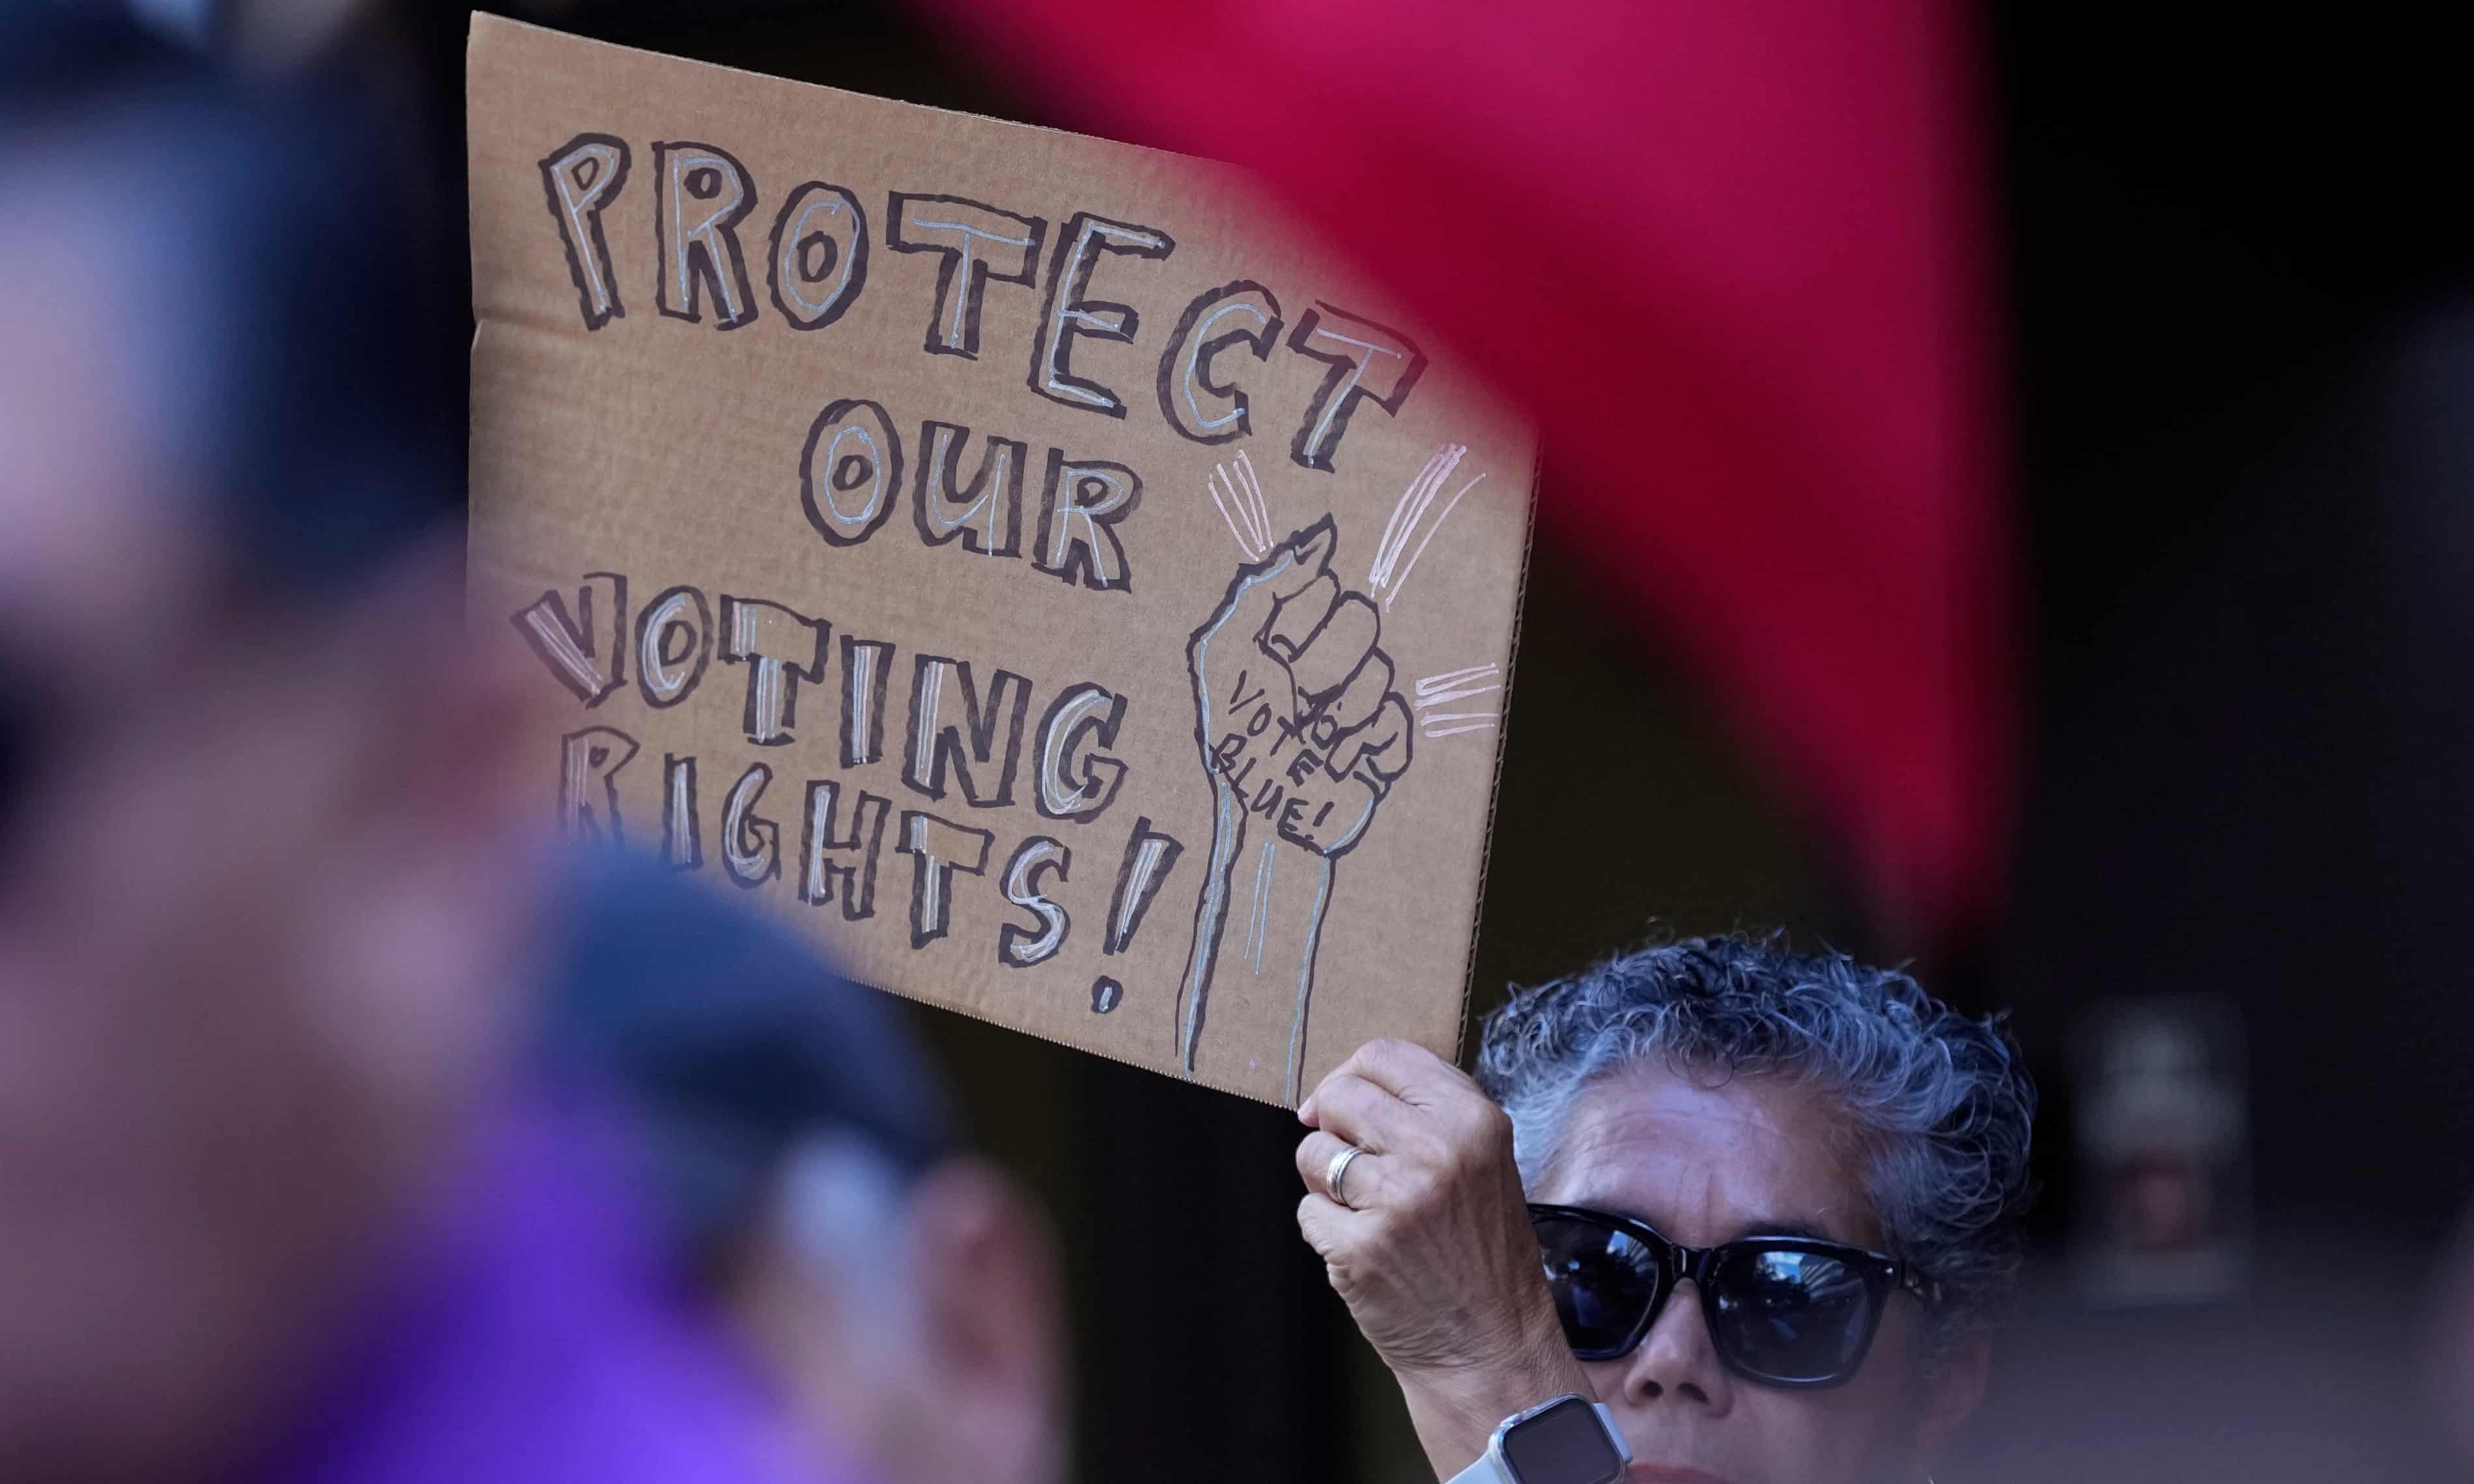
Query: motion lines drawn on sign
<point>1436,690</point>
<point>1389,574</point>
<point>1239,495</point>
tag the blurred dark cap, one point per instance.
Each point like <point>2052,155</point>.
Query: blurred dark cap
<point>731,1042</point>
<point>287,284</point>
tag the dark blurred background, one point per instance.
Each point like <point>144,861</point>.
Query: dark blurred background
<point>2237,259</point>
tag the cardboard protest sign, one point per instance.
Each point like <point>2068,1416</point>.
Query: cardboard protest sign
<point>1021,558</point>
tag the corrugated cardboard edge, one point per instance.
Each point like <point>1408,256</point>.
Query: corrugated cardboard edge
<point>1502,747</point>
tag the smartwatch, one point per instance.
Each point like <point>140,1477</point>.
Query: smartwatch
<point>1570,1440</point>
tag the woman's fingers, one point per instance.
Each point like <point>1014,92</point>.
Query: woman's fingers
<point>1403,1068</point>
<point>1359,1183</point>
<point>1365,1116</point>
<point>1325,1224</point>
<point>1408,1071</point>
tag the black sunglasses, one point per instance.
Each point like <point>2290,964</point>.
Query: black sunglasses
<point>1781,1311</point>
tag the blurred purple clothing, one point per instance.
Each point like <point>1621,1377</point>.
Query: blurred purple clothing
<point>531,1335</point>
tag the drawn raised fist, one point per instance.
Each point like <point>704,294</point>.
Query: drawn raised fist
<point>1302,735</point>
<point>1295,710</point>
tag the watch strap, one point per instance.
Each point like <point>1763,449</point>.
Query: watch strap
<point>1488,1469</point>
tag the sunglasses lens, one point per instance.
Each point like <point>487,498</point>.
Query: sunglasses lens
<point>1791,1316</point>
<point>1603,1279</point>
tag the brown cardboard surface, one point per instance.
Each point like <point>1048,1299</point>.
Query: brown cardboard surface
<point>1119,715</point>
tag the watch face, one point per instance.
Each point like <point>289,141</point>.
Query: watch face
<point>1566,1444</point>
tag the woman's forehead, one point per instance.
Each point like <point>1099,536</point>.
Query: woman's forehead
<point>1707,1159</point>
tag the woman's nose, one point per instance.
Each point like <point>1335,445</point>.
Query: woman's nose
<point>1676,1364</point>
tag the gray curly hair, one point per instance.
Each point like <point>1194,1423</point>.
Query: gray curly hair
<point>1942,1101</point>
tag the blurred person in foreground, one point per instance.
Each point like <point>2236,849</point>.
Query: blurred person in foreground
<point>898,1293</point>
<point>272,1205</point>
<point>2451,1343</point>
<point>1760,1206</point>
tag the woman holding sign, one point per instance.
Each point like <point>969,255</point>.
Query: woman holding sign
<point>1775,1199</point>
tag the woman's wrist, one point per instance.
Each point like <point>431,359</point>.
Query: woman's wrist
<point>1457,1408</point>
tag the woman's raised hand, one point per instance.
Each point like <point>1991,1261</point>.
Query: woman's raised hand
<point>1428,1241</point>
